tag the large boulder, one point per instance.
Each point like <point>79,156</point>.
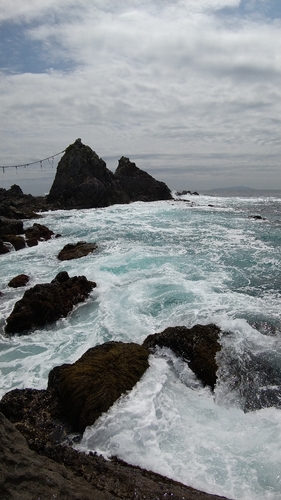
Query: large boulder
<point>92,384</point>
<point>197,345</point>
<point>48,302</point>
<point>83,181</point>
<point>76,250</point>
<point>18,281</point>
<point>138,184</point>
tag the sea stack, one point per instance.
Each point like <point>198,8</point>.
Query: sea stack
<point>83,181</point>
<point>138,184</point>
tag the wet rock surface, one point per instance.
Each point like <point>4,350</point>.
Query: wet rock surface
<point>92,384</point>
<point>76,250</point>
<point>18,281</point>
<point>48,302</point>
<point>36,459</point>
<point>197,345</point>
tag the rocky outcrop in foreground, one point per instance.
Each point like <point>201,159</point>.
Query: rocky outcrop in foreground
<point>75,397</point>
<point>68,475</point>
<point>198,346</point>
<point>92,384</point>
<point>48,302</point>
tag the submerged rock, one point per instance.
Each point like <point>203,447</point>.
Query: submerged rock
<point>197,345</point>
<point>138,184</point>
<point>92,384</point>
<point>48,302</point>
<point>76,250</point>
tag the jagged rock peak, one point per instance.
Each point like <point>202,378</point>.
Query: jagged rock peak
<point>83,181</point>
<point>127,168</point>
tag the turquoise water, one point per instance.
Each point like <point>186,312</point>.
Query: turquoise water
<point>164,264</point>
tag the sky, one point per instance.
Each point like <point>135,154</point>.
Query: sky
<point>189,90</point>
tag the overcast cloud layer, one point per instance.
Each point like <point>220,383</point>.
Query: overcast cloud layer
<point>188,90</point>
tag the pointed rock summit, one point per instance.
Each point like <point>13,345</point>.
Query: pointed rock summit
<point>83,181</point>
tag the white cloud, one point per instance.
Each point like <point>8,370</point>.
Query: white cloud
<point>169,77</point>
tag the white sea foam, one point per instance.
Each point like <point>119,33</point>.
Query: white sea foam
<point>158,265</point>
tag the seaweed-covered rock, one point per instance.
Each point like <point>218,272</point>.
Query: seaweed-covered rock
<point>138,184</point>
<point>83,181</point>
<point>197,345</point>
<point>76,250</point>
<point>92,384</point>
<point>18,281</point>
<point>48,302</point>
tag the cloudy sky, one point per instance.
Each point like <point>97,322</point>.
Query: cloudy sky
<point>188,89</point>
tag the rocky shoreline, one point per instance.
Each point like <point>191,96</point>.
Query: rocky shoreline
<point>37,457</point>
<point>37,426</point>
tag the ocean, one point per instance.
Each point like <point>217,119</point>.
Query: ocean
<point>195,259</point>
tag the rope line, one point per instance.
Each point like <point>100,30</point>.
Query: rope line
<point>34,162</point>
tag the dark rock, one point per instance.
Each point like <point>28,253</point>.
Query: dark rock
<point>76,250</point>
<point>18,242</point>
<point>47,302</point>
<point>29,476</point>
<point>256,217</point>
<point>32,242</point>
<point>139,185</point>
<point>63,473</point>
<point>3,248</point>
<point>10,226</point>
<point>92,384</point>
<point>18,281</point>
<point>38,232</point>
<point>184,192</point>
<point>83,181</point>
<point>197,345</point>
<point>16,205</point>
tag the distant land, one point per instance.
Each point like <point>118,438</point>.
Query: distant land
<point>242,191</point>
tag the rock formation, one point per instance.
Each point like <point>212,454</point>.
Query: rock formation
<point>35,443</point>
<point>139,185</point>
<point>76,250</point>
<point>92,384</point>
<point>47,471</point>
<point>197,345</point>
<point>83,181</point>
<point>48,302</point>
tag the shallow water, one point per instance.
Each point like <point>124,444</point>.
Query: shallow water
<point>165,264</point>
